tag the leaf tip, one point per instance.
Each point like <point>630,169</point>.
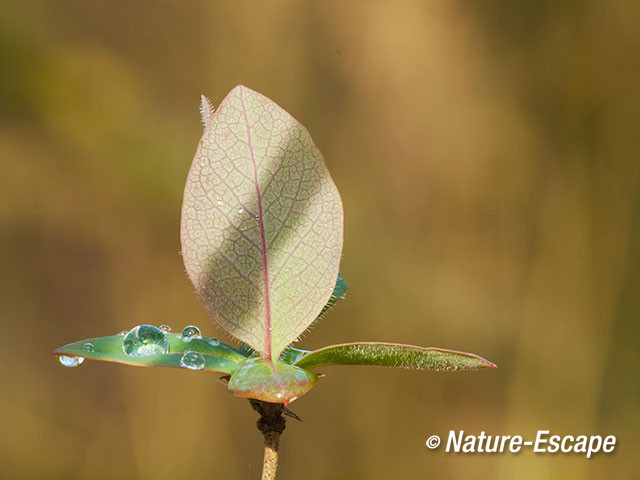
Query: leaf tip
<point>484,362</point>
<point>58,351</point>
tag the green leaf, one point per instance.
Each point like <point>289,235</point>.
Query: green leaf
<point>338,293</point>
<point>392,355</point>
<point>260,379</point>
<point>219,358</point>
<point>261,223</point>
<point>292,355</point>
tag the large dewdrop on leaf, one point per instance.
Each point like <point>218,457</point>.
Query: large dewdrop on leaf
<point>262,223</point>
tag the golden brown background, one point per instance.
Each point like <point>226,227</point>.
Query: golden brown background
<point>488,157</point>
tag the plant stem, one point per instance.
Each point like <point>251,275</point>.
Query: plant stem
<point>270,464</point>
<point>271,423</point>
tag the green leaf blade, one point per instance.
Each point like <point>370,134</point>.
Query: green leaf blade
<point>218,358</point>
<point>262,223</point>
<point>393,355</point>
<point>338,293</point>
<point>291,355</point>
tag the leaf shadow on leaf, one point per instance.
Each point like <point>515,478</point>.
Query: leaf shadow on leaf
<point>232,264</point>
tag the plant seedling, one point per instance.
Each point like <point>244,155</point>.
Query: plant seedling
<point>261,233</point>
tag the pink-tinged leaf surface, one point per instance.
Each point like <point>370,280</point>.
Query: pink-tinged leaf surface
<point>262,223</point>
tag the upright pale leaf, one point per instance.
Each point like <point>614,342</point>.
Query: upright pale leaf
<point>261,223</point>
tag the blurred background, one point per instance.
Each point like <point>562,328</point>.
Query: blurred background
<point>487,154</point>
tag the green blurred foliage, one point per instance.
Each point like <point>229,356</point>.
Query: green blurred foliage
<point>487,156</point>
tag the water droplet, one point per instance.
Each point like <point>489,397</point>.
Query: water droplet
<point>214,342</point>
<point>123,332</point>
<point>88,347</point>
<point>240,210</point>
<point>70,361</point>
<point>165,328</point>
<point>192,360</point>
<point>219,202</point>
<point>145,340</point>
<point>190,332</point>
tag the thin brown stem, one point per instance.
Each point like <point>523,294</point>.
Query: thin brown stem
<point>271,423</point>
<point>270,465</point>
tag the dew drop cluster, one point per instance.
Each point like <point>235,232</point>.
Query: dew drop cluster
<point>148,340</point>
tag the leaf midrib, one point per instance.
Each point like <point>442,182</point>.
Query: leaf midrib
<point>263,240</point>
